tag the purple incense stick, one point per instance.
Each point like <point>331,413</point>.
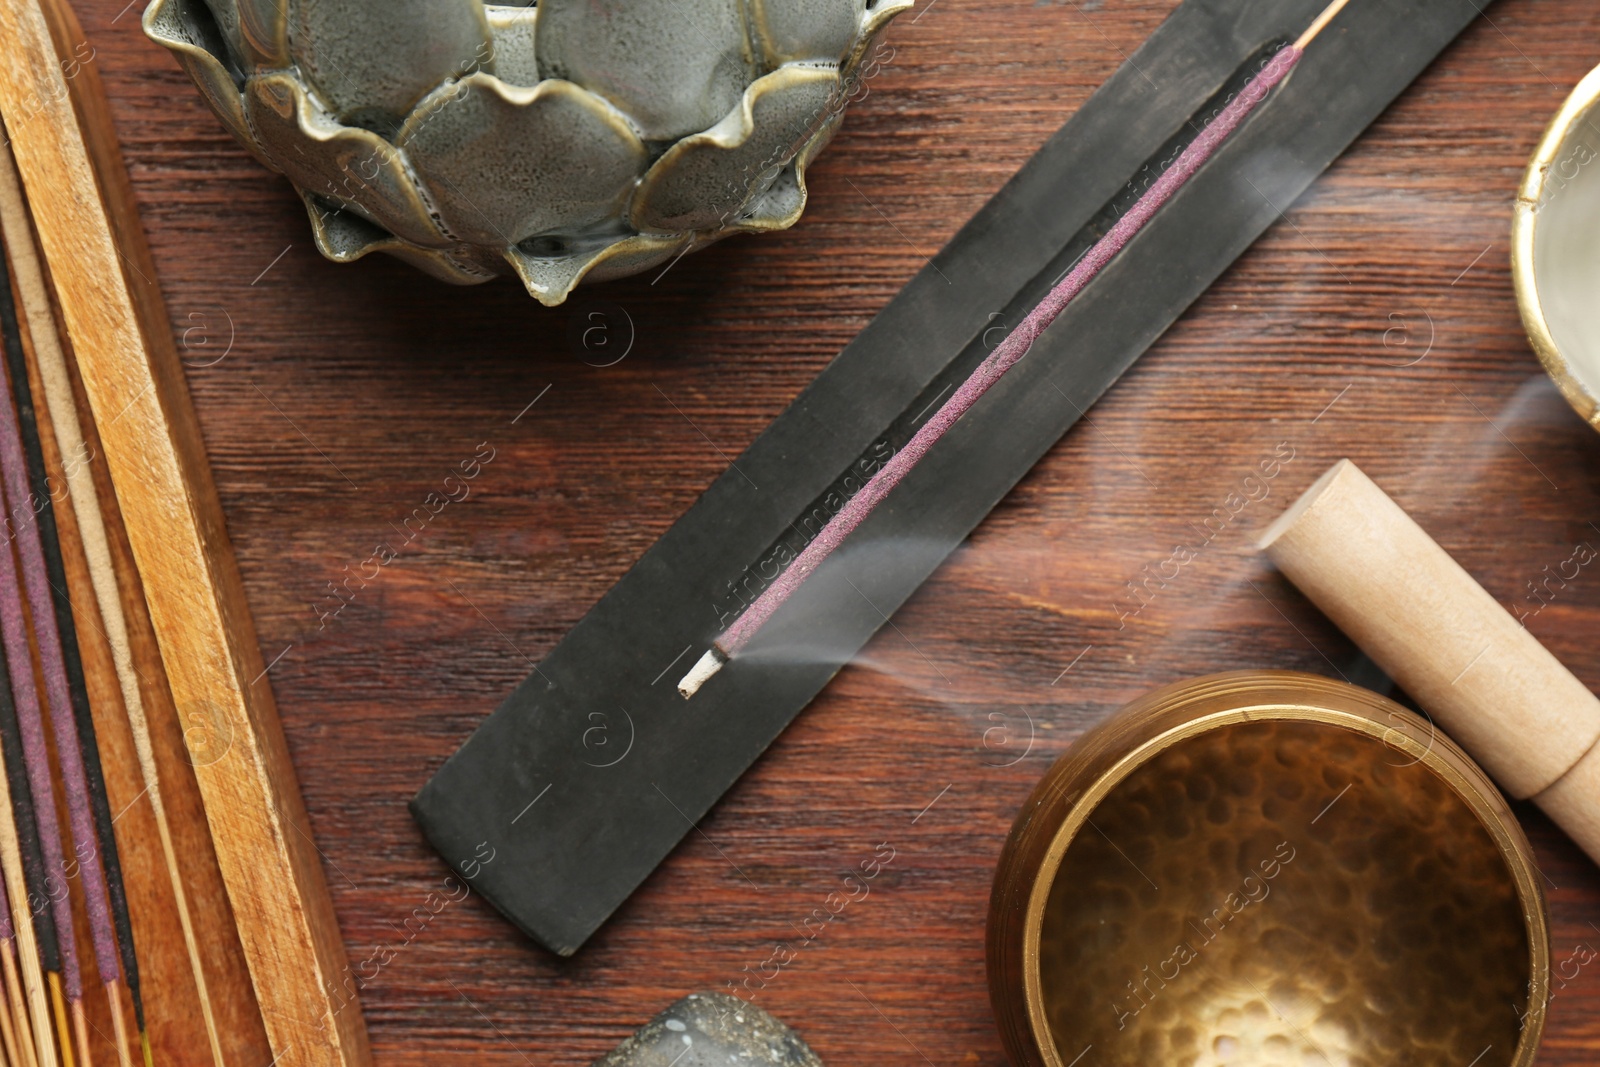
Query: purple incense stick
<point>19,664</point>
<point>22,530</point>
<point>1002,359</point>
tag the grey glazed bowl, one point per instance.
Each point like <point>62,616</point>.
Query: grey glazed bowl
<point>572,140</point>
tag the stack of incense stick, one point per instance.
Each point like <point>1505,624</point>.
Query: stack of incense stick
<point>159,901</point>
<point>44,888</point>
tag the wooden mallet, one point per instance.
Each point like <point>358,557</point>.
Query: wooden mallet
<point>1448,643</point>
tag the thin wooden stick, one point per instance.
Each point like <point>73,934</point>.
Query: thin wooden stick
<point>31,933</point>
<point>1319,23</point>
<point>33,982</point>
<point>119,1024</point>
<point>8,1045</point>
<point>18,1014</point>
<point>80,1033</point>
<point>8,1022</point>
<point>58,1008</point>
<point>63,414</point>
<point>8,1029</point>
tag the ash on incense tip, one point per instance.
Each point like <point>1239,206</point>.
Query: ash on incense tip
<point>706,666</point>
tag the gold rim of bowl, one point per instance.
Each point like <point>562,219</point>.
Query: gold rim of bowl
<point>1107,754</point>
<point>1524,222</point>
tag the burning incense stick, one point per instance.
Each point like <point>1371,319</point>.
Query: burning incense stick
<point>1002,359</point>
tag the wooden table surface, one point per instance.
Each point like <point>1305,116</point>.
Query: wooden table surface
<point>1375,321</point>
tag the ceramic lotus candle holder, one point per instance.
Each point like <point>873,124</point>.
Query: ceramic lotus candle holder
<point>572,140</point>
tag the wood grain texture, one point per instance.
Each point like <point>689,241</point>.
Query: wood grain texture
<point>86,222</point>
<point>1475,669</point>
<point>1376,321</point>
<point>176,1010</point>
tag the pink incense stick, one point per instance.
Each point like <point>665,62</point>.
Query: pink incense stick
<point>1002,359</point>
<point>19,662</point>
<point>22,530</point>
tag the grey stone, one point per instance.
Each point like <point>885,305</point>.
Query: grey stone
<point>712,1030</point>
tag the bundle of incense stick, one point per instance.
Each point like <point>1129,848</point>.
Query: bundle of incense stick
<point>160,901</point>
<point>43,888</point>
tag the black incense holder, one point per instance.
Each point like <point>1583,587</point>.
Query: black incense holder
<point>575,824</point>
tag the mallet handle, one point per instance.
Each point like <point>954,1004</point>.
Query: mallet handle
<point>1422,618</point>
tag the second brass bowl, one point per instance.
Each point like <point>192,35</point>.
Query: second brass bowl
<point>1267,868</point>
<point>1555,248</point>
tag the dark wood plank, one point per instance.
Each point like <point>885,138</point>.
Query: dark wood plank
<point>347,393</point>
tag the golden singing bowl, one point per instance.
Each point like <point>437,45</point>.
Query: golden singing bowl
<point>1267,868</point>
<point>1555,248</point>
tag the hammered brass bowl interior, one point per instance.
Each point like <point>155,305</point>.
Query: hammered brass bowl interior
<point>1280,884</point>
